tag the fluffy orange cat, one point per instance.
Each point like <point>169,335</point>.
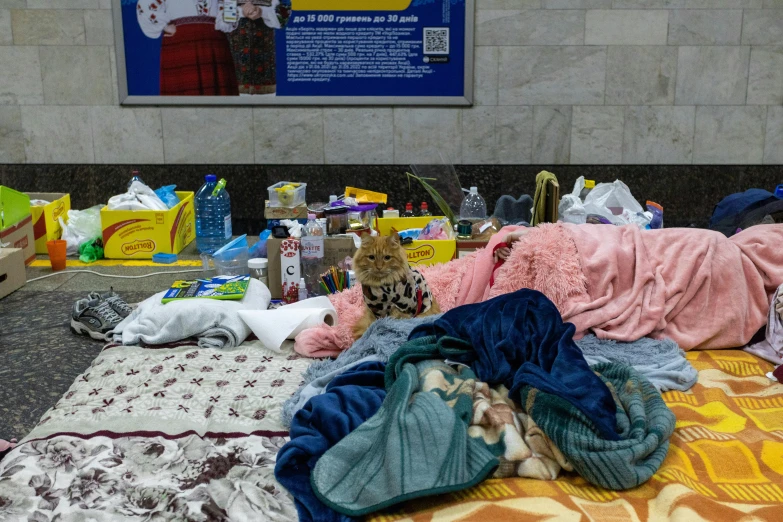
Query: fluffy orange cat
<point>390,287</point>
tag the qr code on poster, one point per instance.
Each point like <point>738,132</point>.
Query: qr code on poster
<point>436,40</point>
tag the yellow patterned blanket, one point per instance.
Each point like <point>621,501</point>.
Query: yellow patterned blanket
<point>725,462</point>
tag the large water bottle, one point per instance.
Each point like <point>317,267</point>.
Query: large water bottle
<point>213,215</point>
<point>473,207</point>
<point>312,244</point>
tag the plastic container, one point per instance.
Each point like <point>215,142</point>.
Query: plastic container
<point>336,220</point>
<point>364,214</point>
<point>408,212</point>
<point>424,210</point>
<point>164,259</point>
<point>312,248</point>
<point>213,217</point>
<point>302,289</point>
<point>57,248</point>
<point>259,269</point>
<point>232,258</point>
<point>287,194</point>
<point>589,185</point>
<point>391,213</point>
<point>473,207</point>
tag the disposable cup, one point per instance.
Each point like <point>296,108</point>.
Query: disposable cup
<point>57,250</point>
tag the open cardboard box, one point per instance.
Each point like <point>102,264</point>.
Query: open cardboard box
<point>426,252</point>
<point>46,224</point>
<point>12,270</point>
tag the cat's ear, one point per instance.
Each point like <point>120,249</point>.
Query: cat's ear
<point>366,240</point>
<point>394,238</point>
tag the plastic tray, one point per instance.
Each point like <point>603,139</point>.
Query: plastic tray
<point>289,198</point>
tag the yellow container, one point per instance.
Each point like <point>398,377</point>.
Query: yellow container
<point>46,224</point>
<point>428,252</point>
<point>138,234</point>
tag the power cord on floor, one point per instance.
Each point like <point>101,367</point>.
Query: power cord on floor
<point>113,275</point>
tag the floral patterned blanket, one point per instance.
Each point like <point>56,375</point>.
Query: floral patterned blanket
<point>174,433</point>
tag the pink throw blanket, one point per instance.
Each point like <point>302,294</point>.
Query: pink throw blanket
<point>695,286</point>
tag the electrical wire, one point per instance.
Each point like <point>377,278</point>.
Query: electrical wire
<point>113,275</point>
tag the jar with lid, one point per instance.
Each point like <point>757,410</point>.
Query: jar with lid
<point>259,269</point>
<point>336,220</point>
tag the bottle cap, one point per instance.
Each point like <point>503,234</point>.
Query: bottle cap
<point>409,206</point>
<point>210,178</point>
<point>332,198</point>
<point>474,190</point>
<point>310,216</point>
<point>424,205</point>
<point>258,262</point>
<point>589,183</point>
<point>301,282</point>
<point>390,208</point>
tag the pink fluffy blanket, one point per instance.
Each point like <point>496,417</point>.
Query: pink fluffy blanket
<point>697,287</point>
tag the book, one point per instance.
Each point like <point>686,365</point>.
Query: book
<point>219,287</point>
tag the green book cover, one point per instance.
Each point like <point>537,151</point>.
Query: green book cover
<point>220,287</point>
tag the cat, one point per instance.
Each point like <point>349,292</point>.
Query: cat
<point>390,287</point>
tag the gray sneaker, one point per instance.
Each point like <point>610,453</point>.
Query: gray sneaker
<point>93,317</point>
<point>116,302</point>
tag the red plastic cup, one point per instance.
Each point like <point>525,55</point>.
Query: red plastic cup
<point>57,252</point>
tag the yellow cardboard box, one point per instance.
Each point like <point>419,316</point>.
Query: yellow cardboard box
<point>428,252</point>
<point>138,234</point>
<point>46,225</point>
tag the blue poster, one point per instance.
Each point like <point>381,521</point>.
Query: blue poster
<point>308,51</point>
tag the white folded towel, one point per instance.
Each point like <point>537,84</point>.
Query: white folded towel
<point>216,323</point>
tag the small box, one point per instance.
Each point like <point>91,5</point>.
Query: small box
<point>468,246</point>
<point>426,252</point>
<point>336,249</point>
<point>46,224</point>
<point>12,271</point>
<point>290,198</point>
<point>20,235</point>
<point>290,269</point>
<point>139,234</point>
<point>298,212</point>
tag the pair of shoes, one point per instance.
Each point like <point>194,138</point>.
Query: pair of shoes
<point>97,315</point>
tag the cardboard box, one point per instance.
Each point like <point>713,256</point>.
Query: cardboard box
<point>468,246</point>
<point>429,252</point>
<point>299,212</point>
<point>12,271</point>
<point>139,234</point>
<point>20,235</point>
<point>46,224</point>
<point>336,249</point>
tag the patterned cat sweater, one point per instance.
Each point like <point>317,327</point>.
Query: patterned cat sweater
<point>411,296</point>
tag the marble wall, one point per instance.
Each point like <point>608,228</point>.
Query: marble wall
<point>556,82</point>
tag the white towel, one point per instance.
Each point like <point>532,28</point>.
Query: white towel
<point>216,323</point>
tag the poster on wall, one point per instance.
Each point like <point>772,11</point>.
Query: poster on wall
<point>294,52</point>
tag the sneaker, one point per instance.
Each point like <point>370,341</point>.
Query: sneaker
<point>94,317</point>
<point>116,302</point>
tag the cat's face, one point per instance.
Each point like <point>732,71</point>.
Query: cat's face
<point>380,260</point>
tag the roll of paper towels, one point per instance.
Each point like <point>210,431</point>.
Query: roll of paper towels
<point>272,327</point>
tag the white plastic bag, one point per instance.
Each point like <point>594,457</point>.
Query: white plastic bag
<point>614,202</point>
<point>138,197</point>
<point>571,209</point>
<point>82,226</point>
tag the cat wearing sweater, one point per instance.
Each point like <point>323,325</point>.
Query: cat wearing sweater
<point>391,288</point>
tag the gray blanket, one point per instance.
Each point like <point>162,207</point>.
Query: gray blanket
<point>662,362</point>
<point>378,343</point>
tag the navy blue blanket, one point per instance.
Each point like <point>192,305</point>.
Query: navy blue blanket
<point>520,339</point>
<point>350,399</point>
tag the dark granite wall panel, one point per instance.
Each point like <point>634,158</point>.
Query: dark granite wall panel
<point>688,192</point>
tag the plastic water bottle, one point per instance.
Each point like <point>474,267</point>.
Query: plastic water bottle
<point>312,244</point>
<point>134,177</point>
<point>473,207</point>
<point>213,215</point>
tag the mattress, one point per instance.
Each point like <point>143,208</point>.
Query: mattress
<point>725,462</point>
<point>94,459</point>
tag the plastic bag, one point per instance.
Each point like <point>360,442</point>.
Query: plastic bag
<point>438,228</point>
<point>615,203</point>
<point>571,209</point>
<point>168,196</point>
<point>91,251</point>
<point>138,197</point>
<point>82,226</point>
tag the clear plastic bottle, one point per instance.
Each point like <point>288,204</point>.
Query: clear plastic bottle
<point>312,245</point>
<point>134,177</point>
<point>408,210</point>
<point>302,289</point>
<point>424,209</point>
<point>473,207</point>
<point>213,215</point>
